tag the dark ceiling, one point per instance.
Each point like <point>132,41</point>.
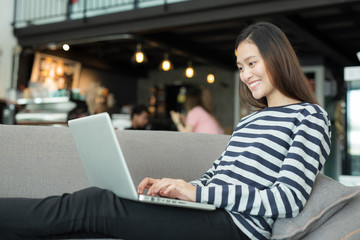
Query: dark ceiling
<point>204,31</point>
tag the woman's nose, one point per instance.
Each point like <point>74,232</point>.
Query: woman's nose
<point>245,74</point>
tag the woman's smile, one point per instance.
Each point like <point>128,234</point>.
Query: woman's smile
<point>254,84</point>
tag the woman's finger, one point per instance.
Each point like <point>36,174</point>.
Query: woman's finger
<point>158,186</point>
<point>145,184</point>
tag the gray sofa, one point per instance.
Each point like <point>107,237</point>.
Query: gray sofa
<point>37,161</point>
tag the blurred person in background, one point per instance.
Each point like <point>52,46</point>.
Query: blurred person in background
<point>197,118</point>
<point>139,118</point>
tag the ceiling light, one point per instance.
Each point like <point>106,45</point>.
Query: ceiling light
<point>66,47</point>
<point>139,55</point>
<point>210,78</point>
<point>166,64</point>
<point>52,46</point>
<point>358,55</point>
<point>189,72</point>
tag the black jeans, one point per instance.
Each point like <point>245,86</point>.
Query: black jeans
<point>95,212</point>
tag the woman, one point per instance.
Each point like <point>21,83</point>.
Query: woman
<point>266,172</point>
<point>197,118</point>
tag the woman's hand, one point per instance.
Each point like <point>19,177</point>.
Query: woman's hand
<point>179,121</point>
<point>168,187</point>
<point>146,183</point>
<point>175,117</point>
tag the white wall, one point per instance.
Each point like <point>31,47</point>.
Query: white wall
<point>7,44</point>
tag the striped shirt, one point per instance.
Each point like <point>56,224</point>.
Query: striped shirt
<point>269,166</point>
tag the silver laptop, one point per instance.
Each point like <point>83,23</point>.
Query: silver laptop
<point>105,164</point>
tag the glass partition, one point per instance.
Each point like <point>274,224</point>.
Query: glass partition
<point>353,128</point>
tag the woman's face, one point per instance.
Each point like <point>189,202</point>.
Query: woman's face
<point>253,72</point>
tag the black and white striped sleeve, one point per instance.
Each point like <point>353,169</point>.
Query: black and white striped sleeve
<point>291,186</point>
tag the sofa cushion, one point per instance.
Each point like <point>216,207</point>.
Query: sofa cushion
<point>343,225</point>
<point>327,197</point>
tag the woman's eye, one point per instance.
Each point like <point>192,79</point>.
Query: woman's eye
<point>251,64</point>
<point>240,68</point>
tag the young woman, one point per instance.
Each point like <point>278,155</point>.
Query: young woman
<point>266,172</point>
<point>197,119</point>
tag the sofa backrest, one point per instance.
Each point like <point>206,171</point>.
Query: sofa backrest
<point>37,161</point>
<point>170,154</point>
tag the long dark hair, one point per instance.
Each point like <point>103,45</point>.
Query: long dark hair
<point>281,64</point>
<point>193,98</point>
